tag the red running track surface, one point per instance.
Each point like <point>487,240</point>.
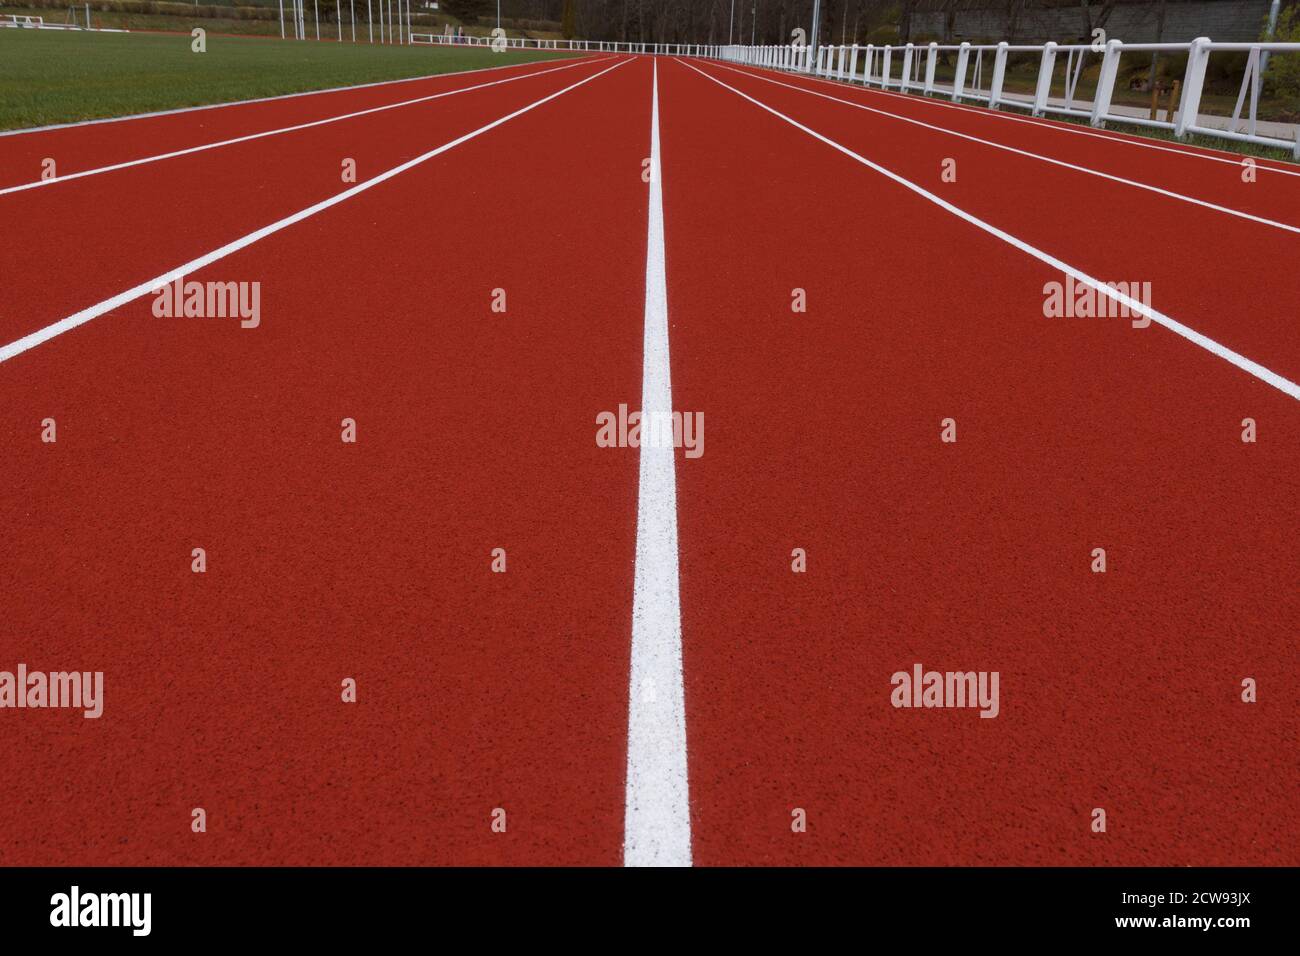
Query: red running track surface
<point>480,690</point>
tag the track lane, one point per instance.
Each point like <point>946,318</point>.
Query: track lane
<point>1200,173</point>
<point>1227,289</point>
<point>152,218</point>
<point>1118,690</point>
<point>475,430</point>
<point>80,147</point>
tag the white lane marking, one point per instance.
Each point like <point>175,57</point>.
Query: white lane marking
<point>1062,127</point>
<point>1210,345</point>
<point>262,99</point>
<point>144,288</point>
<point>284,129</point>
<point>1024,152</point>
<point>657,820</point>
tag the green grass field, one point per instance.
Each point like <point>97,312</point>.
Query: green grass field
<point>49,76</point>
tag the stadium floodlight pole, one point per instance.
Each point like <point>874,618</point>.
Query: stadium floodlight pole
<point>1268,33</point>
<point>812,39</point>
<point>352,6</point>
<point>370,20</point>
<point>731,25</point>
<point>316,6</point>
<point>338,18</point>
<point>281,19</point>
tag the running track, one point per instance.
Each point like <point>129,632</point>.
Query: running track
<point>648,682</point>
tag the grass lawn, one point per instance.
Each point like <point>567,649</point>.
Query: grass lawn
<point>49,76</point>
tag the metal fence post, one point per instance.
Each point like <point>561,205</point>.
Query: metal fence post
<point>959,80</point>
<point>1044,77</point>
<point>999,73</point>
<point>1106,82</point>
<point>1198,57</point>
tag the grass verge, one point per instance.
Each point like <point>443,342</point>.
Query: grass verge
<point>51,76</point>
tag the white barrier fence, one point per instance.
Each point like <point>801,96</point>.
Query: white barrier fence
<point>911,69</point>
<point>23,22</point>
<point>574,46</point>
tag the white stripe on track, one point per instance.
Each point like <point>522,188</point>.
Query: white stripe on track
<point>37,184</point>
<point>144,288</point>
<point>657,820</point>
<point>1183,197</point>
<point>1210,345</point>
<point>262,99</point>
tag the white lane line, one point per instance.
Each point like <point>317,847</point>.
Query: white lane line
<point>1062,127</point>
<point>1024,152</point>
<point>657,820</point>
<point>262,99</point>
<point>144,288</point>
<point>1210,345</point>
<point>284,129</point>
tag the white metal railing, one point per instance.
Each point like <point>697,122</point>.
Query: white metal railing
<point>979,76</point>
<point>22,21</point>
<point>572,46</point>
